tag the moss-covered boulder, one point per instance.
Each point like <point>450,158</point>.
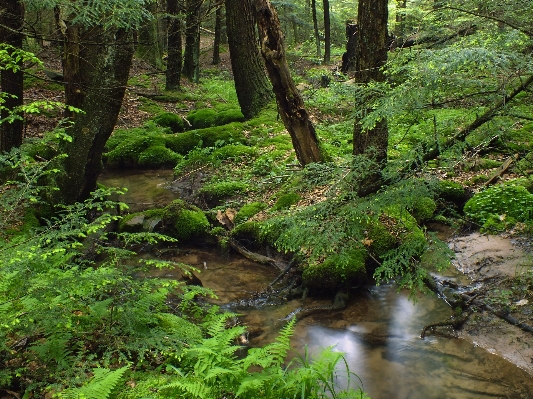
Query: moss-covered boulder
<point>285,201</point>
<point>178,219</point>
<point>451,191</point>
<point>215,192</point>
<point>423,209</point>
<point>249,210</point>
<point>170,120</point>
<point>209,117</point>
<point>336,270</point>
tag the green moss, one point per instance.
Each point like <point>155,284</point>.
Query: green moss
<point>249,210</point>
<point>450,191</point>
<point>506,201</point>
<point>380,238</point>
<point>285,201</point>
<point>423,208</point>
<point>231,115</point>
<point>479,179</point>
<point>336,270</point>
<point>170,120</point>
<point>220,190</point>
<point>249,230</point>
<point>209,117</point>
<point>158,155</point>
<point>187,221</point>
<point>184,142</point>
<point>150,106</point>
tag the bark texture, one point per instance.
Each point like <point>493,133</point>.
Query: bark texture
<point>174,47</point>
<point>290,103</point>
<point>251,83</point>
<point>371,55</point>
<point>315,28</point>
<point>11,21</point>
<point>348,58</point>
<point>218,32</point>
<point>191,58</point>
<point>106,78</point>
<point>327,32</point>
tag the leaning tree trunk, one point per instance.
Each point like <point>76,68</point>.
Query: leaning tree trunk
<point>174,47</point>
<point>371,56</point>
<point>11,20</point>
<point>191,58</point>
<point>290,103</point>
<point>110,53</point>
<point>327,32</point>
<point>253,89</point>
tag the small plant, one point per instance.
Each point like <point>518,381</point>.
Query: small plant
<point>503,202</point>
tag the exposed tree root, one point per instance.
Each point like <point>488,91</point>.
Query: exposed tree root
<point>254,256</point>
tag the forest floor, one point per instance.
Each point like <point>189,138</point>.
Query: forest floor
<point>492,263</point>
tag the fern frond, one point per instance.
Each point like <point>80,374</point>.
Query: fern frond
<point>100,386</point>
<point>194,388</point>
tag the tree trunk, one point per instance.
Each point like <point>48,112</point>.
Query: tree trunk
<point>11,20</point>
<point>75,62</point>
<point>400,18</point>
<point>327,33</point>
<point>191,58</point>
<point>149,46</point>
<point>251,84</point>
<point>290,103</point>
<point>315,27</point>
<point>174,47</point>
<point>110,53</point>
<point>371,55</point>
<point>216,42</point>
<point>348,58</point>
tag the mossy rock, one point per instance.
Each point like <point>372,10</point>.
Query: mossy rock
<point>336,270</point>
<point>170,120</point>
<point>423,208</point>
<point>249,210</point>
<point>202,118</point>
<point>380,238</point>
<point>213,193</point>
<point>178,219</point>
<point>451,191</point>
<point>248,230</point>
<point>182,143</point>
<point>158,156</point>
<point>186,221</point>
<point>505,201</point>
<point>285,201</point>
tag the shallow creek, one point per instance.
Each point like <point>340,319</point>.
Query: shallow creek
<point>379,330</point>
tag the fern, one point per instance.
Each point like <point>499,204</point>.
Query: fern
<point>104,381</point>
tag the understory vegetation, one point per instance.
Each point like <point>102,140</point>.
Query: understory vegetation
<point>77,320</point>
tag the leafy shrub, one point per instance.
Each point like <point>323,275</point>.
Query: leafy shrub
<point>500,202</point>
<point>170,120</point>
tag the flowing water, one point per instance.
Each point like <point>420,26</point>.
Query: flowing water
<point>379,331</point>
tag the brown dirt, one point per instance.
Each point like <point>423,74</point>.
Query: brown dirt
<point>497,264</point>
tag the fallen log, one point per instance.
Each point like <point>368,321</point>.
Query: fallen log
<point>254,256</point>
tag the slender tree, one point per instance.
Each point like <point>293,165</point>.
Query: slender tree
<point>174,46</point>
<point>218,34</point>
<point>251,83</point>
<point>327,32</point>
<point>191,58</point>
<point>315,29</point>
<point>371,56</point>
<point>11,80</point>
<point>290,103</point>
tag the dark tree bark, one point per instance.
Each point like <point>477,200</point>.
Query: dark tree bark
<point>371,55</point>
<point>290,103</point>
<point>251,83</point>
<point>11,21</point>
<point>315,27</point>
<point>327,33</point>
<point>401,5</point>
<point>174,47</point>
<point>348,58</point>
<point>191,58</point>
<point>110,53</point>
<point>75,63</point>
<point>218,29</point>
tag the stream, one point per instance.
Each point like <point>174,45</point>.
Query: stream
<point>379,330</point>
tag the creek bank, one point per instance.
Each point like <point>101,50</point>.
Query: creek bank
<point>496,270</point>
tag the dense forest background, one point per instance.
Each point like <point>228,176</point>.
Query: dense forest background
<point>322,138</point>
